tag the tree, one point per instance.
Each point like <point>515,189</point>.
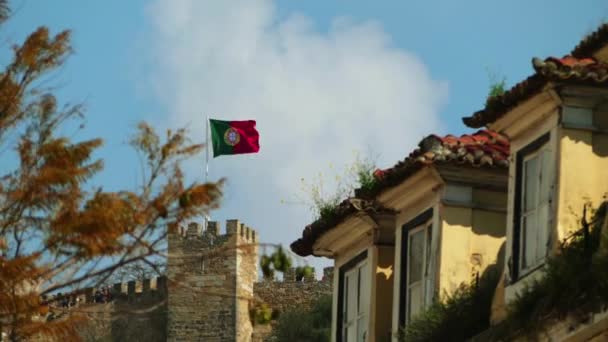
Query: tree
<point>56,234</point>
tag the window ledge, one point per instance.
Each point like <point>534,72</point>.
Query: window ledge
<point>526,273</point>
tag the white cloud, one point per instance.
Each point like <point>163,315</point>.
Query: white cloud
<point>316,96</point>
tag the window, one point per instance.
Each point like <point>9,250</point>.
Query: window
<point>418,270</point>
<point>355,306</point>
<point>416,284</point>
<point>533,203</point>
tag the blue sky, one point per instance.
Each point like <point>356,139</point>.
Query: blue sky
<point>323,78</point>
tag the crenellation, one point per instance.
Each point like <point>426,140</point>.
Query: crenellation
<point>207,294</point>
<point>193,230</point>
<point>146,284</point>
<point>232,227</point>
<point>131,288</point>
<point>213,229</point>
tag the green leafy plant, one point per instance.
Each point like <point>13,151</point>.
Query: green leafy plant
<point>305,325</point>
<point>497,86</point>
<point>303,272</point>
<point>277,261</point>
<point>323,203</point>
<point>261,314</point>
<point>575,283</point>
<point>458,316</point>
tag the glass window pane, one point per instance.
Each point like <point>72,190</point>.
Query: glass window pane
<point>543,234</point>
<point>530,183</point>
<point>351,333</point>
<point>362,329</point>
<point>416,254</point>
<point>545,177</point>
<point>364,290</point>
<point>529,243</point>
<point>345,299</point>
<point>415,303</point>
<point>352,297</point>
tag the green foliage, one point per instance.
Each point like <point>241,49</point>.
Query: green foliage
<point>304,272</point>
<point>323,204</point>
<point>363,170</point>
<point>301,325</point>
<point>497,86</point>
<point>459,316</point>
<point>277,261</point>
<point>261,314</point>
<point>575,282</point>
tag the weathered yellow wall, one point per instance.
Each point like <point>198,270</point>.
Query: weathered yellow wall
<point>583,175</point>
<point>455,246</point>
<point>471,241</point>
<point>383,293</point>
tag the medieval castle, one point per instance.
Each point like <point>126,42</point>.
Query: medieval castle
<point>209,290</point>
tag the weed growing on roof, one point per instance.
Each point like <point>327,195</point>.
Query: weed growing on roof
<point>498,85</point>
<point>324,193</point>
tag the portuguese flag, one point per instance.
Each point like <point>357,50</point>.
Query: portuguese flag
<point>234,137</point>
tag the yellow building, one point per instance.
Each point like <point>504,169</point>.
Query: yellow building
<point>557,122</point>
<point>430,223</point>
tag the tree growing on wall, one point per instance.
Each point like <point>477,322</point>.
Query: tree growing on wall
<point>57,231</point>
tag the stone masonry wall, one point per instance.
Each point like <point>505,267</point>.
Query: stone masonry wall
<point>210,287</point>
<point>136,312</point>
<point>289,293</point>
<point>210,283</point>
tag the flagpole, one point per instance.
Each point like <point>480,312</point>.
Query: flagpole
<point>207,165</point>
<point>207,148</point>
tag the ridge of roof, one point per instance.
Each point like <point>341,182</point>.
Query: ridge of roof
<point>568,69</point>
<point>591,43</point>
<point>483,148</point>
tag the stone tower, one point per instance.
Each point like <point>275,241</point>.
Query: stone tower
<point>210,282</point>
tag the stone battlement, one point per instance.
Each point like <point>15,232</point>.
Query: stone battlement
<point>235,230</point>
<point>124,290</point>
<point>289,276</point>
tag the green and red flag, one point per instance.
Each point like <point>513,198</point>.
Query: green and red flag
<point>234,137</point>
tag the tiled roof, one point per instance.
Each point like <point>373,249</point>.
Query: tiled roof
<point>348,207</point>
<point>567,69</point>
<point>592,43</point>
<point>484,148</point>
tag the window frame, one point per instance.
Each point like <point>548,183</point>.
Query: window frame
<point>420,220</point>
<point>425,228</point>
<point>535,148</point>
<point>355,262</point>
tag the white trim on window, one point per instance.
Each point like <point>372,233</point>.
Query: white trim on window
<point>418,280</point>
<point>535,208</point>
<point>355,311</point>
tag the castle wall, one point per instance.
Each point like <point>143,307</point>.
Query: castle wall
<point>210,287</point>
<point>136,312</point>
<point>210,277</point>
<point>289,293</point>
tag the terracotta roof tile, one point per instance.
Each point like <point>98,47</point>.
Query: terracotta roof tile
<point>482,149</point>
<point>560,70</point>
